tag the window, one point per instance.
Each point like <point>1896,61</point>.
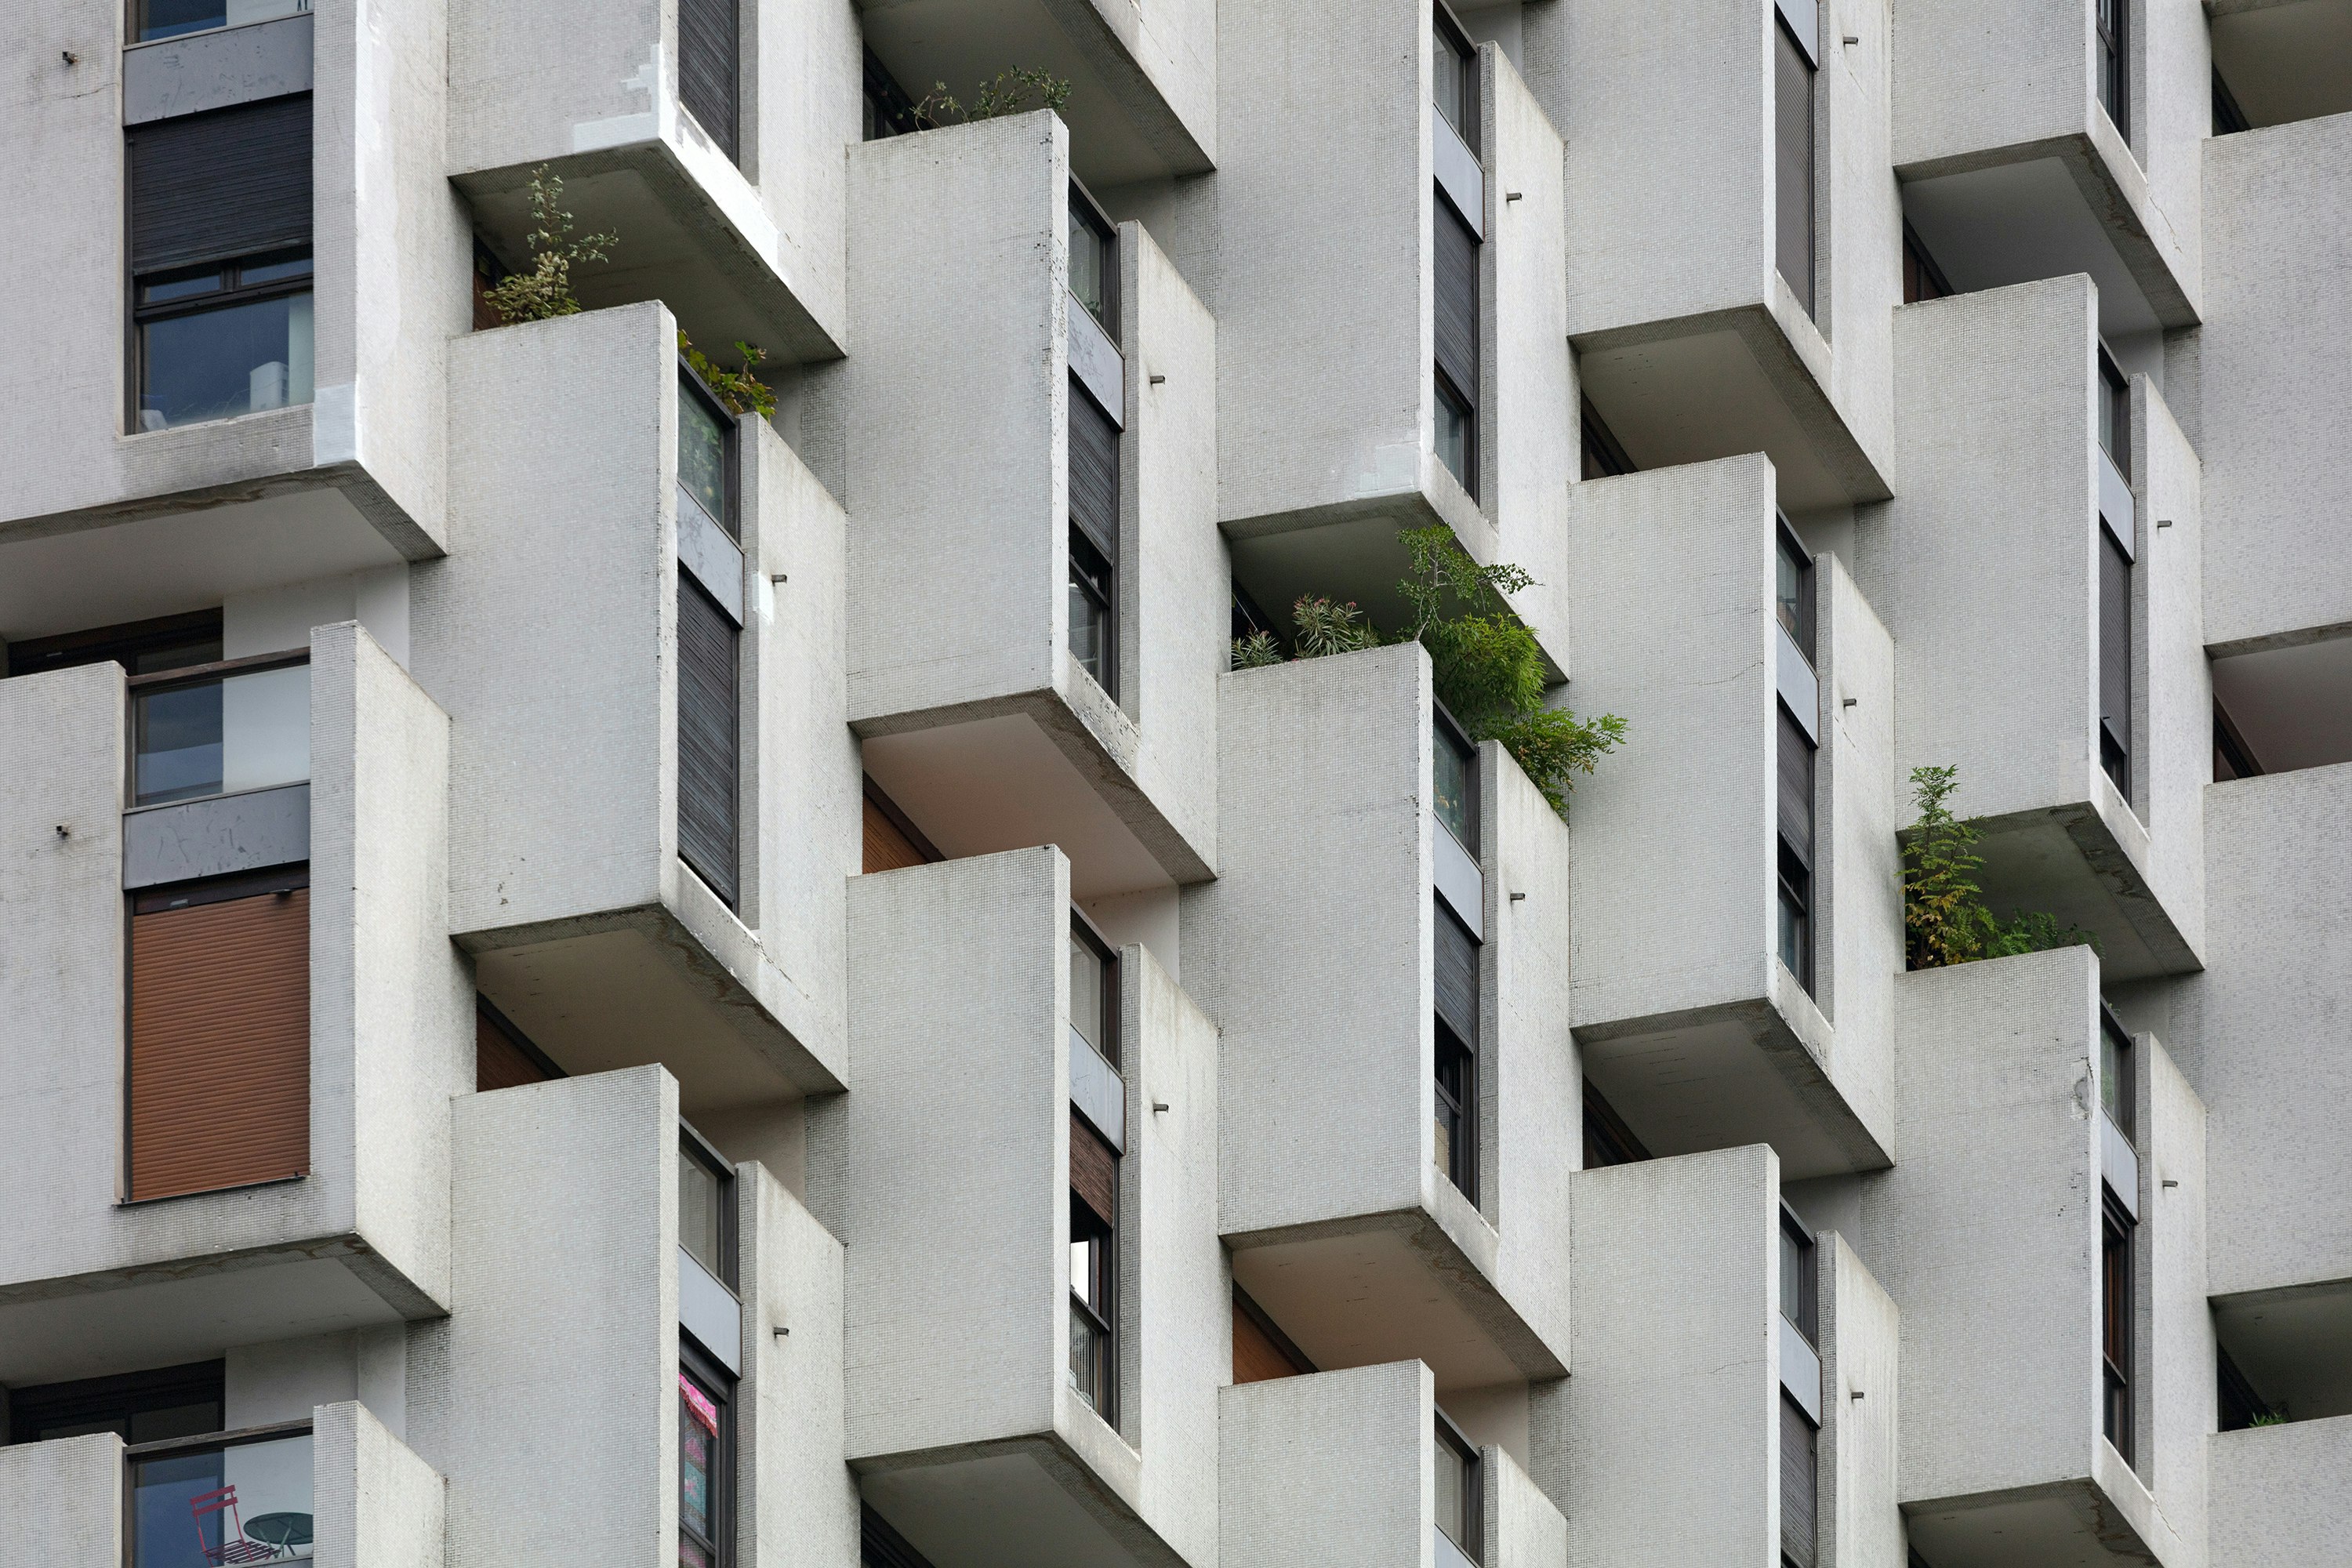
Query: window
<point>1604,456</point>
<point>1460,1493</point>
<point>1798,1287</point>
<point>1795,759</point>
<point>2233,757</point>
<point>1455,252</point>
<point>2116,1096</point>
<point>706,1205</point>
<point>1922,278</point>
<point>1454,780</point>
<point>2115,413</point>
<point>710,642</point>
<point>220,262</point>
<point>170,19</point>
<point>706,1460</point>
<point>2115,1229</point>
<point>2115,661</point>
<point>220,1033</point>
<point>2239,1406</point>
<point>1456,1064</point>
<point>1094,540</point>
<point>879,1546</point>
<point>1797,55</point>
<point>1453,74</point>
<point>504,1057</point>
<point>1800,1486</point>
<point>244,726</point>
<point>710,69</point>
<point>888,110</point>
<point>1607,1139</point>
<point>245,1498</point>
<point>1248,619</point>
<point>138,1407</point>
<point>1093,1268</point>
<point>1094,989</point>
<point>1094,260</point>
<point>2114,62</point>
<point>140,647</point>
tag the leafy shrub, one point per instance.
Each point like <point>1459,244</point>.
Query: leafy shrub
<point>1944,915</point>
<point>1010,93</point>
<point>545,291</point>
<point>741,390</point>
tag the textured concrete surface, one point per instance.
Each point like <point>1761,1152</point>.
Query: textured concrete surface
<point>66,1495</point>
<point>1338,1468</point>
<point>1861,1329</point>
<point>2282,1494</point>
<point>374,1503</point>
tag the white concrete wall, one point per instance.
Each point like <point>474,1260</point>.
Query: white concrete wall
<point>799,1501</point>
<point>2172,679</point>
<point>2177,1397</point>
<point>1860,1525</point>
<point>2261,1027</point>
<point>1694,1238</point>
<point>1332,1469</point>
<point>563,1322</point>
<point>2273,393</point>
<point>2282,1494</point>
<point>1525,1529</point>
<point>375,1504</point>
<point>1971,76</point>
<point>65,1497</point>
<point>1858,876</point>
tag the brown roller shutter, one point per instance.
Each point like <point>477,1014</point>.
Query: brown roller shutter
<point>220,1044</point>
<point>1800,1486</point>
<point>1793,773</point>
<point>887,848</point>
<point>1093,1169</point>
<point>499,1061</point>
<point>708,740</point>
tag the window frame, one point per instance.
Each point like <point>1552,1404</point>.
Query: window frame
<point>1606,1133</point>
<point>1922,280</point>
<point>2111,32</point>
<point>1090,935</point>
<point>2118,1248</point>
<point>1088,212</point>
<point>1808,294</point>
<point>1794,1236</point>
<point>234,293</point>
<point>730,429</point>
<point>1447,29</point>
<point>2118,1073</point>
<point>2114,428</point>
<point>1473,1484</point>
<point>694,1146</point>
<point>716,1385</point>
<point>1444,732</point>
<point>1102,1233</point>
<point>89,1401</point>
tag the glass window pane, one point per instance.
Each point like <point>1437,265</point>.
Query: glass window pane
<point>179,288</point>
<point>1453,1492</point>
<point>1445,69</point>
<point>697,1454</point>
<point>178,1421</point>
<point>1452,435</point>
<point>274,271</point>
<point>176,744</point>
<point>265,728</point>
<point>1089,606</point>
<point>215,364</point>
<point>702,455</point>
<point>169,18</point>
<point>1788,594</point>
<point>1089,260</point>
<point>248,1502</point>
<point>1450,770</point>
<point>165,1531</point>
<point>1792,1278</point>
<point>1082,1352</point>
<point>698,1191</point>
<point>1087,991</point>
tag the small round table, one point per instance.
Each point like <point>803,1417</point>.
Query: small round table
<point>283,1532</point>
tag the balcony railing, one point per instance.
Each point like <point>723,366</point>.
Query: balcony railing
<point>234,1497</point>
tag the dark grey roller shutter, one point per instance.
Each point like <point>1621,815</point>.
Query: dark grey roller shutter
<point>1094,473</point>
<point>709,751</point>
<point>1457,976</point>
<point>1793,772</point>
<point>1455,301</point>
<point>211,186</point>
<point>1799,1485</point>
<point>708,67</point>
<point>1792,89</point>
<point>2114,643</point>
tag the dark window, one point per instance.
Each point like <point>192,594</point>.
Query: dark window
<point>2239,1406</point>
<point>1922,278</point>
<point>2114,62</point>
<point>1248,618</point>
<point>1792,587</point>
<point>879,1546</point>
<point>705,454</point>
<point>1456,1063</point>
<point>1800,1486</point>
<point>706,1460</point>
<point>1460,1489</point>
<point>1603,455</point>
<point>1094,260</point>
<point>2233,757</point>
<point>1094,539</point>
<point>2115,413</point>
<point>2227,117</point>
<point>140,647</point>
<point>220,262</point>
<point>1794,764</point>
<point>1454,780</point>
<point>504,1057</point>
<point>138,1407</point>
<point>2114,662</point>
<point>1455,303</point>
<point>709,748</point>
<point>2116,1094</point>
<point>706,1205</point>
<point>1607,1139</point>
<point>153,19</point>
<point>1797,1288</point>
<point>708,66</point>
<point>220,1033</point>
<point>1094,988</point>
<point>1453,75</point>
<point>888,110</point>
<point>2115,1322</point>
<point>1793,88</point>
<point>1093,1268</point>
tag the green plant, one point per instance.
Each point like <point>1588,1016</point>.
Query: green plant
<point>1256,651</point>
<point>1010,93</point>
<point>545,291</point>
<point>1326,628</point>
<point>2268,1419</point>
<point>1945,918</point>
<point>741,390</point>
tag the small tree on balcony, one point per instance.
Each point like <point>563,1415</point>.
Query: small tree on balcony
<point>1944,915</point>
<point>1013,91</point>
<point>741,391</point>
<point>545,291</point>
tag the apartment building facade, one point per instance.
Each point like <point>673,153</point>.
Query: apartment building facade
<point>554,920</point>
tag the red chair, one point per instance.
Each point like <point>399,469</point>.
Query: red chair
<point>236,1548</point>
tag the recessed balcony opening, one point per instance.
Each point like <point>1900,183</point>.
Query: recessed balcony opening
<point>2023,222</point>
<point>2282,1354</point>
<point>2280,63</point>
<point>2281,709</point>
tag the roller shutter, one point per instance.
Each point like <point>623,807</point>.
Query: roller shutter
<point>1794,776</point>
<point>207,187</point>
<point>1093,1169</point>
<point>1457,978</point>
<point>1455,302</point>
<point>2115,644</point>
<point>1800,1486</point>
<point>708,66</point>
<point>1094,473</point>
<point>708,744</point>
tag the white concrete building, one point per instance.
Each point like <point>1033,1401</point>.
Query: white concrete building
<point>594,973</point>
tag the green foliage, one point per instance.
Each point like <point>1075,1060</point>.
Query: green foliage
<point>1010,93</point>
<point>545,291</point>
<point>1944,915</point>
<point>741,390</point>
<point>2268,1419</point>
<point>1487,664</point>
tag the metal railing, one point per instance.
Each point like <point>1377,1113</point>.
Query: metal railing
<point>224,1498</point>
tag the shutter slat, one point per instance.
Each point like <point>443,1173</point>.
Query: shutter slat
<point>707,70</point>
<point>1793,88</point>
<point>708,750</point>
<point>1455,302</point>
<point>2115,640</point>
<point>212,186</point>
<point>220,1045</point>
<point>1094,1171</point>
<point>1793,774</point>
<point>1094,473</point>
<point>1457,978</point>
<point>1799,1485</point>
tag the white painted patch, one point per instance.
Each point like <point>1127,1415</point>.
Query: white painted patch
<point>335,425</point>
<point>591,135</point>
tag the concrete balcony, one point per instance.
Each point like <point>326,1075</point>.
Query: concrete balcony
<point>1690,1021</point>
<point>2283,60</point>
<point>737,228</point>
<point>1142,73</point>
<point>365,1497</point>
<point>331,449</point>
<point>1698,1237</point>
<point>1989,1232</point>
<point>2280,1494</point>
<point>349,1226</point>
<point>1689,339</point>
<point>1326,401</point>
<point>591,1239</point>
<point>2270,392</point>
<point>2007,508</point>
<point>1373,1218</point>
<point>948,1173</point>
<point>977,716</point>
<point>1341,1468</point>
<point>2018,161</point>
<point>555,647</point>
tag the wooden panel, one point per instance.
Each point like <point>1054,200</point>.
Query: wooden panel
<point>1094,1171</point>
<point>220,1045</point>
<point>888,849</point>
<point>1256,1358</point>
<point>499,1062</point>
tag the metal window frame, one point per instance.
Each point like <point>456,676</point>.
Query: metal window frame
<point>730,428</point>
<point>1446,731</point>
<point>1473,1484</point>
<point>1807,1320</point>
<point>138,1453</point>
<point>2111,27</point>
<point>1087,932</point>
<point>719,1389</point>
<point>1449,394</point>
<point>232,294</point>
<point>1789,547</point>
<point>1089,212</point>
<point>704,1152</point>
<point>2118,1250</point>
<point>1449,30</point>
<point>1103,1231</point>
